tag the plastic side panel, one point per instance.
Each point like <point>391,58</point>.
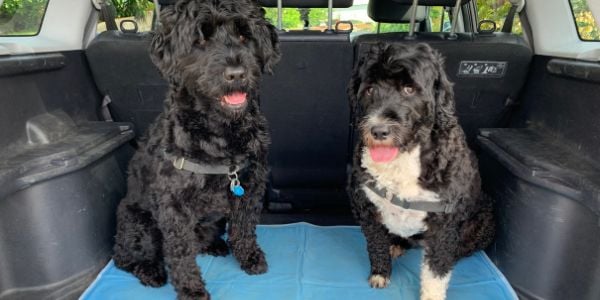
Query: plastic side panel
<point>547,244</point>
<point>59,228</point>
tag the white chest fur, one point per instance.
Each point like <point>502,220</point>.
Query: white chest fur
<point>400,177</point>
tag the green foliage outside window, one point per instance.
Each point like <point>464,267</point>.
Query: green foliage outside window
<point>132,8</point>
<point>586,24</point>
<point>21,17</point>
<point>496,11</point>
<point>291,18</point>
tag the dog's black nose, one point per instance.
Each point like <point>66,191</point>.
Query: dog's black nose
<point>235,73</point>
<point>380,132</point>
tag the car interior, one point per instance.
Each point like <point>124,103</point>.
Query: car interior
<point>71,118</point>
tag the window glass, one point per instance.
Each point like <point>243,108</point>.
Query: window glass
<point>496,11</point>
<point>439,19</point>
<point>140,11</point>
<point>295,19</point>
<point>584,20</point>
<point>21,17</point>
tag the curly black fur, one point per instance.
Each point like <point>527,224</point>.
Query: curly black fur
<point>405,85</point>
<point>170,215</point>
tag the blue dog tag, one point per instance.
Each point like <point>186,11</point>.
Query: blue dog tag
<point>235,187</point>
<point>238,190</point>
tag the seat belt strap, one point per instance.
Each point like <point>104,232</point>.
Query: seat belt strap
<point>510,18</point>
<point>516,7</point>
<point>108,14</point>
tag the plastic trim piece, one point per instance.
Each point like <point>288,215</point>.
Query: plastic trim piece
<point>17,65</point>
<point>566,183</point>
<point>589,71</point>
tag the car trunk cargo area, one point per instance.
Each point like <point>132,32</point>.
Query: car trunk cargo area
<point>59,188</point>
<point>313,262</point>
<point>547,203</point>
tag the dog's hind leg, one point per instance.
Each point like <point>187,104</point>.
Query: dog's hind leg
<point>398,246</point>
<point>138,245</point>
<point>218,246</point>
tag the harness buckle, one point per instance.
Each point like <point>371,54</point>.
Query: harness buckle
<point>178,163</point>
<point>449,208</point>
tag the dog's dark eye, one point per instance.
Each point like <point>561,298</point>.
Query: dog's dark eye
<point>369,91</point>
<point>408,90</point>
<point>242,39</point>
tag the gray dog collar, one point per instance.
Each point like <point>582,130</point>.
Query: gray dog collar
<point>181,163</point>
<point>434,207</point>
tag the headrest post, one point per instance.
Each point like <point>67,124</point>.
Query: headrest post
<point>330,16</point>
<point>280,14</point>
<point>455,14</point>
<point>413,18</point>
<point>156,13</point>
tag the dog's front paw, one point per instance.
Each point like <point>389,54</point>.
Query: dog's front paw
<point>378,281</point>
<point>217,248</point>
<point>396,251</point>
<point>255,264</point>
<point>153,275</point>
<point>194,295</point>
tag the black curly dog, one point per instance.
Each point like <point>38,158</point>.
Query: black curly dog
<point>412,152</point>
<point>212,53</point>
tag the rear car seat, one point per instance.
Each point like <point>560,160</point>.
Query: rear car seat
<point>306,104</point>
<point>122,70</point>
<point>482,100</point>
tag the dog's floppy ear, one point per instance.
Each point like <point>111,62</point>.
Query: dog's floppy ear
<point>445,112</point>
<point>358,74</point>
<point>268,43</point>
<point>174,37</point>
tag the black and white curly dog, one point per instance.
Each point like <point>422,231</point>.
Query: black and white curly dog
<point>203,163</point>
<point>414,180</point>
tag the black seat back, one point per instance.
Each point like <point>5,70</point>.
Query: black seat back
<point>122,69</point>
<point>306,104</point>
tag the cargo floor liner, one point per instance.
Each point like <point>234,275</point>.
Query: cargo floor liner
<point>312,262</point>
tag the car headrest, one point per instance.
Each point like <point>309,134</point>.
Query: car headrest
<point>387,11</point>
<point>306,3</point>
<point>288,3</point>
<point>423,2</point>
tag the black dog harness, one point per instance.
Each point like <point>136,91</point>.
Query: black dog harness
<point>434,207</point>
<point>180,163</point>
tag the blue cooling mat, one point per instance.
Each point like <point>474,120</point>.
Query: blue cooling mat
<point>312,262</point>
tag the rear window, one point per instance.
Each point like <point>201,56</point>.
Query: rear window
<point>584,20</point>
<point>497,11</point>
<point>316,18</point>
<point>21,17</point>
<point>139,11</point>
<point>296,19</point>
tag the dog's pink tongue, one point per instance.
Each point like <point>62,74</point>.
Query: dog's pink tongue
<point>235,98</point>
<point>382,153</point>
